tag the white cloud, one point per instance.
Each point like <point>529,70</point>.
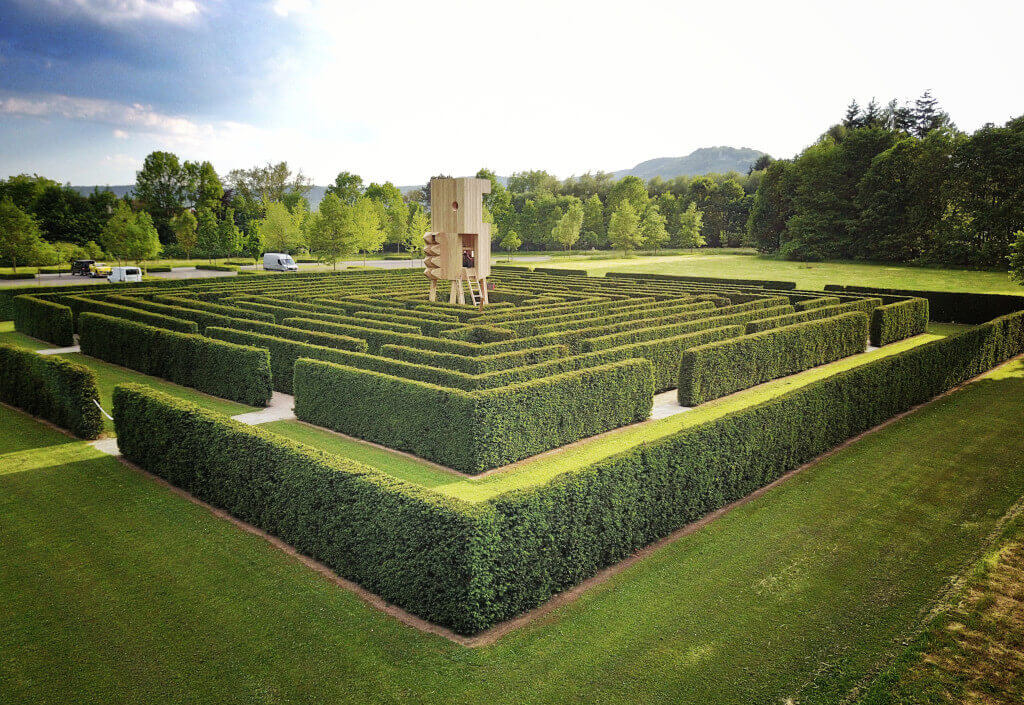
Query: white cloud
<point>135,117</point>
<point>116,12</point>
<point>283,8</point>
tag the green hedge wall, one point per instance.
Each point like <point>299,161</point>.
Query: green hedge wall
<point>236,372</point>
<point>475,365</point>
<point>44,320</point>
<point>789,319</point>
<point>950,306</point>
<point>716,369</point>
<point>157,320</point>
<point>415,548</point>
<point>51,388</point>
<point>765,283</point>
<point>897,321</point>
<point>203,319</point>
<point>230,311</point>
<point>284,353</point>
<point>473,431</point>
<point>470,567</point>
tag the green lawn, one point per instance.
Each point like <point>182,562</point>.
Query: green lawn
<point>108,376</point>
<point>543,467</point>
<point>11,336</point>
<point>811,275</point>
<point>117,590</point>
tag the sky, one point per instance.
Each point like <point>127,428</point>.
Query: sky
<point>397,91</point>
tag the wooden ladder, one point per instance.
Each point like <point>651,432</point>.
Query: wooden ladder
<point>476,293</point>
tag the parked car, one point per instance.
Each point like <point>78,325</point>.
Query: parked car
<point>99,269</point>
<point>124,274</point>
<point>82,267</point>
<point>279,262</point>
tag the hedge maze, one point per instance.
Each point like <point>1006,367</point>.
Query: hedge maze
<point>553,360</point>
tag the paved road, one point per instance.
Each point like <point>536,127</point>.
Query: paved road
<point>193,273</point>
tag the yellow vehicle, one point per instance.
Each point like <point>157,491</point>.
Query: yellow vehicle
<point>99,269</point>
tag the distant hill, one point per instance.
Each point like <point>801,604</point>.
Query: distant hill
<point>706,160</point>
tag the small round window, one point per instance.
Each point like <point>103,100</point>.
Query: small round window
<point>455,205</point>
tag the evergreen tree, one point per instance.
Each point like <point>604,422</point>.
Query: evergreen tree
<point>853,116</point>
<point>229,237</point>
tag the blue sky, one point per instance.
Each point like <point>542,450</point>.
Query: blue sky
<point>400,90</point>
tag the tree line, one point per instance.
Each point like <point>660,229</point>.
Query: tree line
<point>898,183</point>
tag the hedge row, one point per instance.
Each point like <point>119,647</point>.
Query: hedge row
<point>469,567</point>
<point>663,354</point>
<point>51,388</point>
<point>473,431</point>
<point>157,320</point>
<point>561,272</point>
<point>44,320</point>
<point>24,274</point>
<point>230,311</point>
<point>716,369</point>
<point>950,306</point>
<point>765,283</point>
<point>809,304</point>
<point>548,538</point>
<point>284,353</point>
<point>657,332</point>
<point>475,365</point>
<point>412,546</point>
<point>897,321</point>
<point>789,319</point>
<point>203,319</point>
<point>237,372</point>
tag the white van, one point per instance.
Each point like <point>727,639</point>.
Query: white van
<point>278,262</point>
<point>124,274</point>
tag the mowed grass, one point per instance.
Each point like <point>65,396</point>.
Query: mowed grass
<point>108,376</point>
<point>118,590</point>
<point>12,337</point>
<point>811,275</point>
<point>542,468</point>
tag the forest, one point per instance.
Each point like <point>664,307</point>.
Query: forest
<point>898,183</point>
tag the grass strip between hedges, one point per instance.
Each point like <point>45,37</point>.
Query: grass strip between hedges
<point>542,468</point>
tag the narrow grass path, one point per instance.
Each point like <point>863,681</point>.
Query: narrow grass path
<point>12,337</point>
<point>545,466</point>
<point>117,590</point>
<point>108,376</point>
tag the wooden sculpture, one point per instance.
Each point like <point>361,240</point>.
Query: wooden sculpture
<point>458,247</point>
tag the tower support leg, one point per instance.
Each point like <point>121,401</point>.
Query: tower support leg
<point>452,296</point>
<point>432,296</point>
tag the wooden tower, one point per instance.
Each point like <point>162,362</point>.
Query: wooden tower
<point>458,247</point>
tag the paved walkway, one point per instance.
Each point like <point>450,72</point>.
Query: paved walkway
<point>59,351</point>
<point>280,409</point>
<point>667,404</point>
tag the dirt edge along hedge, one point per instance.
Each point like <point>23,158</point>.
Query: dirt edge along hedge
<point>51,388</point>
<point>416,549</point>
<point>237,372</point>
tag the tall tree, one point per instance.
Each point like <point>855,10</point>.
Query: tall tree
<point>20,239</point>
<point>595,234</point>
<point>270,182</point>
<point>330,231</point>
<point>206,233</point>
<point>130,236</point>
<point>1017,257</point>
<point>392,212</point>
<point>184,226</point>
<point>690,222</point>
<point>419,224</point>
<point>347,187</point>
<point>928,116</point>
<point>567,231</point>
<point>279,230</point>
<point>203,188</point>
<point>229,237</point>
<point>510,242</point>
<point>161,189</point>
<point>369,233</point>
<point>624,228</point>
<point>652,229</point>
